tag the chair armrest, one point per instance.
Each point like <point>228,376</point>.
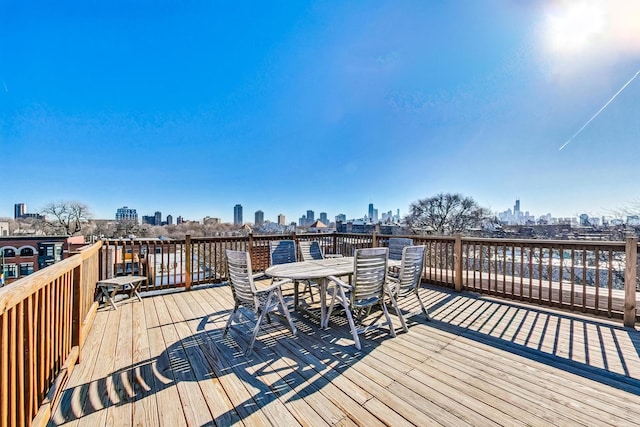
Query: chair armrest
<point>276,284</point>
<point>333,256</point>
<point>339,282</point>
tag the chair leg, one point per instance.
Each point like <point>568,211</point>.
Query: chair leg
<point>394,303</point>
<point>233,313</point>
<point>285,311</point>
<point>310,289</point>
<point>330,309</point>
<point>344,302</point>
<point>392,330</point>
<point>424,309</point>
<point>261,314</point>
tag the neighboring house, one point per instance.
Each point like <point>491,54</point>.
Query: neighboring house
<point>21,256</point>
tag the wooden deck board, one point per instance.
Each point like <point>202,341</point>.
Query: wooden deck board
<point>480,361</point>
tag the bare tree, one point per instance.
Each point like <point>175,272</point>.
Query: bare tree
<point>66,218</point>
<point>445,214</point>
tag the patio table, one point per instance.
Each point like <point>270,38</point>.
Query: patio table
<point>110,287</point>
<point>318,271</point>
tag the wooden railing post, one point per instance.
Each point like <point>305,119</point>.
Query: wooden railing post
<point>187,280</point>
<point>374,239</point>
<point>335,243</point>
<point>630,282</point>
<point>457,259</point>
<point>77,315</point>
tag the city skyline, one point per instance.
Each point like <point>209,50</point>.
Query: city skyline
<point>187,108</point>
<point>517,215</point>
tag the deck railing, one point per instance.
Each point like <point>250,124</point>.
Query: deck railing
<point>44,319</point>
<point>45,316</point>
<point>577,275</point>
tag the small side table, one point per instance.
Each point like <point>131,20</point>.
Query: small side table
<point>111,287</point>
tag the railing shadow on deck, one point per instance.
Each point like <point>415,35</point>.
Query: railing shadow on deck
<point>476,312</point>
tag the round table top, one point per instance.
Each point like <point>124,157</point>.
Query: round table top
<point>315,269</point>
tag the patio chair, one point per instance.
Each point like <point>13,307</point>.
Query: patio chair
<point>283,252</point>
<point>310,250</point>
<point>409,278</point>
<point>261,302</point>
<point>368,287</point>
<point>396,244</point>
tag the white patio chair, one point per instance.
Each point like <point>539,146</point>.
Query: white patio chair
<point>368,287</point>
<point>262,302</point>
<point>409,278</point>
<point>283,252</point>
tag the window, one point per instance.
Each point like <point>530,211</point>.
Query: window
<point>8,253</point>
<point>26,252</point>
<point>26,268</point>
<point>11,270</point>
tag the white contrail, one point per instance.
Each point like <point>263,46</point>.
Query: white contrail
<point>599,111</point>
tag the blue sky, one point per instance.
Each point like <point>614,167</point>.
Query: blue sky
<point>191,107</point>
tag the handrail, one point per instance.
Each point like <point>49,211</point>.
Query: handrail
<point>43,321</point>
<point>578,275</point>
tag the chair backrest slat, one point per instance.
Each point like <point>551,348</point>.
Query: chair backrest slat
<point>370,274</point>
<point>282,251</point>
<point>310,250</point>
<point>396,244</point>
<point>241,276</point>
<point>411,268</point>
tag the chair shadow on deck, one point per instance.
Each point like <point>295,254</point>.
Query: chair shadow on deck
<point>277,366</point>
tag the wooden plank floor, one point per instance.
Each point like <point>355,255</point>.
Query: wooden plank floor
<point>480,361</point>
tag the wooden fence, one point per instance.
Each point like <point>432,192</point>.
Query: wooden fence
<point>577,275</point>
<point>44,319</point>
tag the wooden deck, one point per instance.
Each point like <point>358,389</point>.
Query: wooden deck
<point>480,361</point>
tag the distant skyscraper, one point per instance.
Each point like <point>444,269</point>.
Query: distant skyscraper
<point>157,218</point>
<point>281,220</point>
<point>341,218</point>
<point>237,214</point>
<point>19,209</point>
<point>259,218</point>
<point>310,217</point>
<point>179,220</point>
<point>516,207</point>
<point>126,214</point>
<point>323,218</point>
<point>370,211</point>
<point>169,220</point>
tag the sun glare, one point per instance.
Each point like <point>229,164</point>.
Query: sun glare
<point>573,26</point>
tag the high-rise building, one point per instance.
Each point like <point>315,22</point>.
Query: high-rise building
<point>370,211</point>
<point>259,218</point>
<point>311,217</point>
<point>281,220</point>
<point>179,220</point>
<point>149,219</point>
<point>19,209</point>
<point>323,218</point>
<point>169,220</point>
<point>237,214</point>
<point>341,218</point>
<point>126,214</point>
<point>157,218</point>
